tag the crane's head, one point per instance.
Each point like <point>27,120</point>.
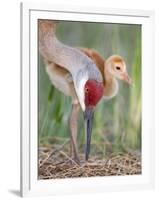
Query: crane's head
<point>116,66</point>
<point>93,92</point>
<point>89,90</point>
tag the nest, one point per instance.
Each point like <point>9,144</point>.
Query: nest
<point>56,163</point>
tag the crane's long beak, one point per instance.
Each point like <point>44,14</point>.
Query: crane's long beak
<point>88,117</point>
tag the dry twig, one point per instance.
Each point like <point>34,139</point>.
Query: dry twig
<point>56,164</point>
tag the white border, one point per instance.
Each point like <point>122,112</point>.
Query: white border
<point>29,184</point>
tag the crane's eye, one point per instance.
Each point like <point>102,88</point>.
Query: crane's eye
<point>86,90</point>
<point>117,67</point>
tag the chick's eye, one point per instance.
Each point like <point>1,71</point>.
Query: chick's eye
<point>117,67</point>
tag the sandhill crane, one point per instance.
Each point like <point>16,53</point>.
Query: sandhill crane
<point>82,74</point>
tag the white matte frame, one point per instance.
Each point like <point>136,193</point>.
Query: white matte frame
<point>30,185</point>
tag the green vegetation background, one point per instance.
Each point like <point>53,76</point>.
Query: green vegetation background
<point>117,122</point>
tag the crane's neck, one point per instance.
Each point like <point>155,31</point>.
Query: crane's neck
<point>81,67</point>
<point>110,83</point>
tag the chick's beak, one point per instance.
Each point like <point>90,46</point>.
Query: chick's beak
<point>127,78</point>
<point>88,117</point>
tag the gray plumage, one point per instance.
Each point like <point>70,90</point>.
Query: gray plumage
<point>70,58</point>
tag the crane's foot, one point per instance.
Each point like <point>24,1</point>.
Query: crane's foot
<point>75,160</point>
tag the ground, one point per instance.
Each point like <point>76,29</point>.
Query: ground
<point>54,162</point>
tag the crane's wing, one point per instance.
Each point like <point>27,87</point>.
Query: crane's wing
<point>70,58</point>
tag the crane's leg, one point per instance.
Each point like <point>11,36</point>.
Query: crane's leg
<point>73,132</point>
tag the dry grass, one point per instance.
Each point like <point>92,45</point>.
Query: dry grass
<point>56,163</point>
